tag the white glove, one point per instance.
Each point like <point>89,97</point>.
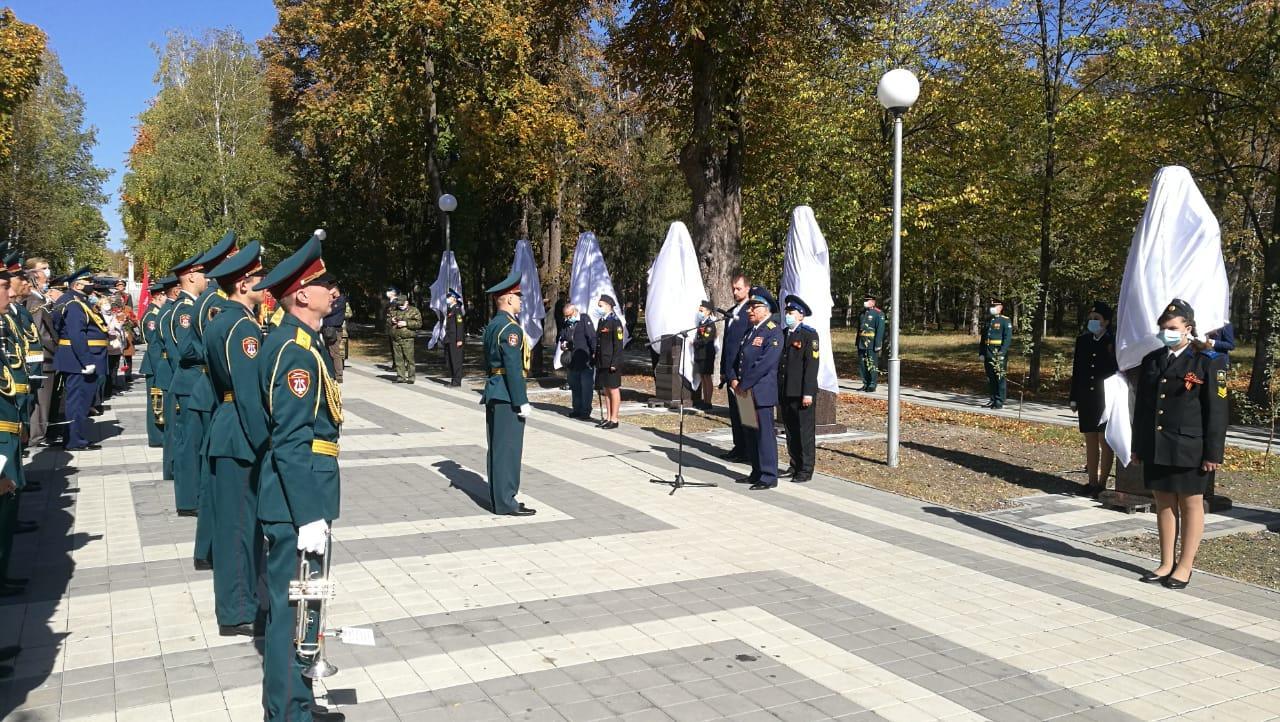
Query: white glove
<point>89,369</point>
<point>312,537</point>
<point>524,411</point>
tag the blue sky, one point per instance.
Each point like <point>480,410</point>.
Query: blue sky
<point>106,49</point>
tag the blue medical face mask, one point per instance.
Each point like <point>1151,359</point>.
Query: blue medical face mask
<point>790,321</point>
<point>701,317</point>
<point>1095,326</point>
<point>1170,337</point>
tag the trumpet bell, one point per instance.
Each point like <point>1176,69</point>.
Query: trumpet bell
<point>319,669</point>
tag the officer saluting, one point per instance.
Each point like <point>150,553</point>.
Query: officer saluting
<point>754,380</point>
<point>506,353</point>
<point>236,440</point>
<point>798,379</point>
<point>299,486</point>
<point>993,349</point>
<point>870,339</point>
<point>81,357</point>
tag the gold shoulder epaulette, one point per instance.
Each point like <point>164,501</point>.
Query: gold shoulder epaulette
<point>772,325</point>
<point>302,338</point>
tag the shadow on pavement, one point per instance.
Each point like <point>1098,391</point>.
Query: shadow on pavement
<point>468,482</point>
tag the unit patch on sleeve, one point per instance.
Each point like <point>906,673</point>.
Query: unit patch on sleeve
<point>299,382</point>
<point>250,347</point>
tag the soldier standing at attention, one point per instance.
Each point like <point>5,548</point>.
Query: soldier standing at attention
<point>11,480</point>
<point>609,335</point>
<point>993,349</point>
<point>166,365</point>
<point>38,303</point>
<point>188,424</point>
<point>754,380</point>
<point>299,485</point>
<point>81,357</point>
<point>506,404</point>
<point>151,364</point>
<point>870,339</point>
<point>735,327</point>
<point>403,322</point>
<point>454,335</point>
<point>237,438</point>
<point>798,380</point>
<point>704,355</point>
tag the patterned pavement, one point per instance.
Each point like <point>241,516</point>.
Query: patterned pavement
<point>619,600</point>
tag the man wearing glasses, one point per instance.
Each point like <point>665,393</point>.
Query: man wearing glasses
<point>38,304</point>
<point>506,352</point>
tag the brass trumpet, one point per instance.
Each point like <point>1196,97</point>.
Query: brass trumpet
<point>308,588</point>
<point>157,405</point>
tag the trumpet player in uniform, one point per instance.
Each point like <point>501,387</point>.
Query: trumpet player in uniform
<point>298,487</point>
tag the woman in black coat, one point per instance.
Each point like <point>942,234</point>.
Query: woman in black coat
<point>1094,361</point>
<point>608,359</point>
<point>1179,431</point>
<point>704,355</point>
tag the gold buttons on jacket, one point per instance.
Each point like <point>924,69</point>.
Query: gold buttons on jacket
<point>1160,412</point>
<point>1159,428</point>
<point>1162,396</point>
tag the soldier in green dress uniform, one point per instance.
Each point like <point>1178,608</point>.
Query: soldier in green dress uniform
<point>870,340</point>
<point>236,439</point>
<point>993,349</point>
<point>185,440</point>
<point>299,486</point>
<point>11,480</point>
<point>506,353</point>
<point>167,359</point>
<point>151,363</point>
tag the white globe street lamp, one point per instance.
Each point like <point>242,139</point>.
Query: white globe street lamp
<point>897,91</point>
<point>448,204</point>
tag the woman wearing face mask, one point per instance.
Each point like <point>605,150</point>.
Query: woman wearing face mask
<point>115,344</point>
<point>704,354</point>
<point>1093,362</point>
<point>609,358</point>
<point>1179,430</point>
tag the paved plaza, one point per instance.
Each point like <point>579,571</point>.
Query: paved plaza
<point>619,599</point>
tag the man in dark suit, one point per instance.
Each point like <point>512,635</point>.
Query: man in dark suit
<point>578,345</point>
<point>735,328</point>
<point>754,380</point>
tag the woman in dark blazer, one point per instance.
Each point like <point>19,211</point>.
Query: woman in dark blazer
<point>608,359</point>
<point>1179,431</point>
<point>704,355</point>
<point>1094,361</point>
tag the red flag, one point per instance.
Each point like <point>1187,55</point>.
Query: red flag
<point>144,295</point>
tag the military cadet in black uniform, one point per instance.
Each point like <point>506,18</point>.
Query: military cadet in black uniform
<point>993,349</point>
<point>704,354</point>
<point>299,487</point>
<point>454,336</point>
<point>1179,432</point>
<point>798,386</point>
<point>1093,362</point>
<point>870,340</point>
<point>608,364</point>
<point>754,380</point>
<point>236,439</point>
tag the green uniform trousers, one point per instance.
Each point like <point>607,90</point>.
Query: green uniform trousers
<point>997,373</point>
<point>155,432</point>
<point>506,446</point>
<point>188,433</point>
<point>402,358</point>
<point>286,694</point>
<point>198,465</point>
<point>237,541</point>
<point>869,367</point>
<point>8,527</point>
<point>170,436</point>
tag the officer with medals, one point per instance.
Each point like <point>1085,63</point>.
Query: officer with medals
<point>188,424</point>
<point>151,363</point>
<point>201,401</point>
<point>753,378</point>
<point>298,486</point>
<point>166,367</point>
<point>81,357</point>
<point>993,349</point>
<point>237,438</point>
<point>798,381</point>
<point>506,403</point>
<point>454,335</point>
<point>870,339</point>
<point>11,479</point>
<point>37,303</point>
<point>27,348</point>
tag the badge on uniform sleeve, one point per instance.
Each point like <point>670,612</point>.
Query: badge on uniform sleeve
<point>151,325</point>
<point>619,333</point>
<point>757,341</point>
<point>185,320</point>
<point>815,348</point>
<point>250,346</point>
<point>513,339</point>
<point>299,382</point>
<point>1222,384</point>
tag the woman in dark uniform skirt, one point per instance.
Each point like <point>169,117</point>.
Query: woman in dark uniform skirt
<point>609,359</point>
<point>1179,430</point>
<point>1094,361</point>
<point>704,355</point>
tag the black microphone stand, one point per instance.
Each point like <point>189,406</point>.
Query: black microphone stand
<point>678,482</point>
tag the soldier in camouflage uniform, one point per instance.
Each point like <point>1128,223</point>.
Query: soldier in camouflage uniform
<point>403,322</point>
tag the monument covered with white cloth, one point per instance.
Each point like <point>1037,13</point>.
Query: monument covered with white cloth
<point>1176,253</point>
<point>532,310</point>
<point>449,277</point>
<point>589,279</point>
<point>671,306</point>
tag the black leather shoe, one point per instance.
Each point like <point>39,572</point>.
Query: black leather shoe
<point>236,630</point>
<point>1170,583</point>
<point>789,472</point>
<point>732,455</point>
<point>745,480</point>
<point>1152,578</point>
<point>758,486</point>
<point>801,478</point>
<point>87,447</point>
<point>610,425</point>
<point>9,652</point>
<point>319,714</point>
<point>188,512</point>
<point>523,511</point>
<point>201,565</point>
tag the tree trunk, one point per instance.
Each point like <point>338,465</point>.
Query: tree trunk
<point>1264,344</point>
<point>551,276</point>
<point>975,310</point>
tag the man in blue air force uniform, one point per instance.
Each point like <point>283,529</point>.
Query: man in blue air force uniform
<point>754,378</point>
<point>81,357</point>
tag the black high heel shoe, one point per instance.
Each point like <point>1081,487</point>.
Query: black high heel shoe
<point>1170,583</point>
<point>1153,578</point>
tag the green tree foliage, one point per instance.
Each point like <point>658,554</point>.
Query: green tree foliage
<point>201,162</point>
<point>22,47</point>
<point>50,188</point>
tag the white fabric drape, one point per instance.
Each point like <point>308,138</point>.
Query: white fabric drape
<point>806,272</point>
<point>449,277</point>
<point>1176,253</point>
<point>675,290</point>
<point>532,312</point>
<point>589,279</point>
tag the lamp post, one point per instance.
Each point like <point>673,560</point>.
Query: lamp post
<point>448,204</point>
<point>897,91</point>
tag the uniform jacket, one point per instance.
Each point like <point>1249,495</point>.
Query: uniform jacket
<point>83,339</point>
<point>15,358</point>
<point>1092,363</point>
<point>997,337</point>
<point>756,368</point>
<point>453,332</point>
<point>34,346</point>
<point>579,340</point>
<point>191,349</point>
<point>704,345</point>
<point>734,329</point>
<point>187,366</point>
<point>165,360</point>
<point>298,483</point>
<point>11,416</point>
<point>871,330</point>
<point>39,307</point>
<point>798,373</point>
<point>609,343</point>
<point>505,351</point>
<point>1174,425</point>
<point>232,342</point>
<point>148,327</point>
<point>412,318</point>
